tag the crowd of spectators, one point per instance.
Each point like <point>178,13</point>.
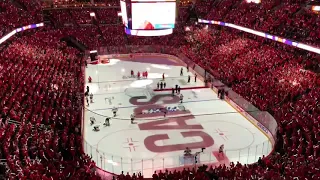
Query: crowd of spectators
<point>287,18</point>
<point>12,16</point>
<point>291,19</point>
<point>100,3</point>
<point>42,83</point>
<point>108,15</point>
<point>81,16</point>
<point>32,7</point>
<point>274,79</point>
<point>79,3</point>
<point>62,18</point>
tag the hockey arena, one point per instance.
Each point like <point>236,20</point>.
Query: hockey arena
<point>157,140</point>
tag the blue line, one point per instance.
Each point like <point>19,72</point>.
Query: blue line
<point>141,105</point>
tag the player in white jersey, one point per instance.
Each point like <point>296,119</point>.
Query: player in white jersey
<point>107,122</point>
<point>114,110</point>
<point>92,120</point>
<point>132,118</point>
<point>91,98</point>
<point>181,98</point>
<point>96,128</point>
<point>221,148</point>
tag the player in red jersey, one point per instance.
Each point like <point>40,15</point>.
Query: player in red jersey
<point>138,75</point>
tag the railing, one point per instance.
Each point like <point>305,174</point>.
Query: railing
<point>261,119</point>
<point>116,164</point>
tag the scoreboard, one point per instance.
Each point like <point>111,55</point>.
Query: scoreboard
<point>148,16</point>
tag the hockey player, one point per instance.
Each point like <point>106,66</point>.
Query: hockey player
<point>132,118</point>
<point>195,78</point>
<point>146,74</point>
<point>91,98</point>
<point>87,99</point>
<point>161,85</point>
<point>221,148</point>
<point>181,98</point>
<point>189,78</point>
<point>132,73</point>
<point>163,76</point>
<point>107,122</point>
<point>114,110</point>
<point>89,79</point>
<point>92,120</point>
<point>96,128</point>
<point>164,85</point>
<point>181,72</point>
<point>165,111</point>
<point>138,75</point>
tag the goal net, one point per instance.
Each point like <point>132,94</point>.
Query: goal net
<point>190,160</point>
<point>144,91</point>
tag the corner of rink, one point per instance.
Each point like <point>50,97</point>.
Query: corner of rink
<point>157,140</point>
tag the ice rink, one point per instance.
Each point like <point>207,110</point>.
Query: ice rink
<point>155,142</point>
